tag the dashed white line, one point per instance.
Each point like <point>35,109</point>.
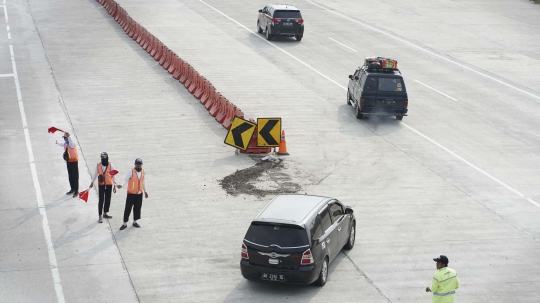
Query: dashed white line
<point>8,32</point>
<point>436,90</point>
<point>6,75</point>
<point>343,45</point>
<point>5,12</point>
<point>402,123</point>
<point>425,50</point>
<point>42,210</point>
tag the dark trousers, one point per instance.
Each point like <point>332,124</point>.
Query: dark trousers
<point>73,174</point>
<point>104,196</point>
<point>135,202</point>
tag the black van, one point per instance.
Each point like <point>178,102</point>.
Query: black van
<point>377,88</point>
<point>295,237</point>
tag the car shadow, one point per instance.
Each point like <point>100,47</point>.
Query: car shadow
<point>376,124</point>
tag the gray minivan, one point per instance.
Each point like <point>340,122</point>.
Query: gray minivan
<point>295,237</point>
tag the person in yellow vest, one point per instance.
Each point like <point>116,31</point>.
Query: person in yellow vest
<point>71,156</point>
<point>136,186</point>
<point>444,283</point>
<point>106,185</point>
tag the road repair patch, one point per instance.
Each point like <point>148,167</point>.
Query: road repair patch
<point>264,178</point>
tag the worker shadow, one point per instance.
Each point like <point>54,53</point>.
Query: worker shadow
<point>29,213</point>
<point>255,291</point>
<point>68,236</point>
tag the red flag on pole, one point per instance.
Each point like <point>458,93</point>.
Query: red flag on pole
<point>83,195</point>
<point>53,129</point>
<point>113,172</point>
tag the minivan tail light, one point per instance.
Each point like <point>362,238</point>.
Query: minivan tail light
<point>275,20</point>
<point>406,103</point>
<point>244,252</point>
<point>362,102</point>
<point>300,20</point>
<point>307,258</point>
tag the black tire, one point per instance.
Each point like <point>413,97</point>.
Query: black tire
<point>323,275</point>
<point>298,37</point>
<point>359,114</point>
<point>399,118</point>
<point>349,98</point>
<point>259,29</point>
<point>352,236</point>
<point>268,35</point>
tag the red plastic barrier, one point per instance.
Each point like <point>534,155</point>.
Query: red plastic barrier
<point>179,68</point>
<point>212,100</point>
<point>230,112</point>
<point>206,92</point>
<point>173,67</point>
<point>185,73</point>
<point>194,82</point>
<point>189,77</point>
<point>155,47</point>
<point>118,14</point>
<point>200,87</point>
<point>222,110</point>
<point>140,33</point>
<point>219,104</point>
<point>168,59</point>
<point>147,42</point>
<point>164,56</point>
<point>133,29</point>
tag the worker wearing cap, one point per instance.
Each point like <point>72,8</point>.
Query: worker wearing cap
<point>136,187</point>
<point>445,282</point>
<point>106,184</point>
<point>71,156</point>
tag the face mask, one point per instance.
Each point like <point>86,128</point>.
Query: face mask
<point>138,169</point>
<point>104,161</point>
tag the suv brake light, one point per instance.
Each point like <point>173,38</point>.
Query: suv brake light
<point>300,20</point>
<point>275,20</point>
<point>244,252</point>
<point>307,258</point>
<point>406,103</point>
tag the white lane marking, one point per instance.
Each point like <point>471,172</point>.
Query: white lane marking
<point>435,90</point>
<point>37,187</point>
<point>402,123</point>
<point>343,45</point>
<point>5,11</point>
<point>6,75</point>
<point>8,32</point>
<point>427,51</point>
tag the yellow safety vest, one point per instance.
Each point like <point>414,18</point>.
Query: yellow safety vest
<point>444,285</point>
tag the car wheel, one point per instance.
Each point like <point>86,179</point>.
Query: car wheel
<point>298,37</point>
<point>349,98</point>
<point>323,275</point>
<point>352,235</point>
<point>268,35</point>
<point>259,29</point>
<point>359,114</point>
<point>399,118</point>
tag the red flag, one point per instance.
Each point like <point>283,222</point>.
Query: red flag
<point>83,195</point>
<point>53,129</point>
<point>113,172</point>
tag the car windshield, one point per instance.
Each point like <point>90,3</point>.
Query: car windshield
<point>390,84</point>
<point>283,236</point>
<point>288,14</point>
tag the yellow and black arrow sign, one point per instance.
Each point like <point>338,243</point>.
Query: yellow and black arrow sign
<point>268,132</point>
<point>240,133</point>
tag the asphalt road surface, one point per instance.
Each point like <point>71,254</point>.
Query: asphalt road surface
<point>459,176</point>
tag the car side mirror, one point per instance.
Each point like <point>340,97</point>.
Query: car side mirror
<point>356,78</point>
<point>350,77</point>
<point>260,11</point>
<point>348,210</point>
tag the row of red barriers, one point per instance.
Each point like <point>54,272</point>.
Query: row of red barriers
<point>217,105</point>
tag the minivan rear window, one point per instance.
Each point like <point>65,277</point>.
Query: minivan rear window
<point>288,14</point>
<point>390,85</point>
<point>281,235</point>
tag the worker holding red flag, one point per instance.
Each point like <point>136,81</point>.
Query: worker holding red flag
<point>136,186</point>
<point>71,156</point>
<point>106,183</point>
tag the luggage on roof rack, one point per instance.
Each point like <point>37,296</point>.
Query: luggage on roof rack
<point>380,63</point>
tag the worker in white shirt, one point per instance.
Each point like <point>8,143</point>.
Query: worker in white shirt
<point>71,156</point>
<point>106,184</point>
<point>136,187</point>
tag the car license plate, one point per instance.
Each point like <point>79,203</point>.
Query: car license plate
<point>273,277</point>
<point>287,23</point>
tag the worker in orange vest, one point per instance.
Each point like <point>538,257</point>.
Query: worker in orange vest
<point>106,185</point>
<point>136,187</point>
<point>71,156</point>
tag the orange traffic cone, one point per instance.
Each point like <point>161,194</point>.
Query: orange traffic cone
<point>283,145</point>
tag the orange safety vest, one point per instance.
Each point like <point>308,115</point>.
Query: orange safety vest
<point>73,155</point>
<point>135,184</point>
<point>106,176</point>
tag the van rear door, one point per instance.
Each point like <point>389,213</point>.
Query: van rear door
<point>391,95</point>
